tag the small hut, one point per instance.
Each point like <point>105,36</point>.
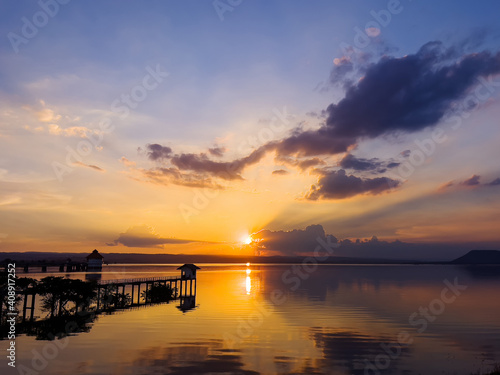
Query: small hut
<point>94,261</point>
<point>188,271</point>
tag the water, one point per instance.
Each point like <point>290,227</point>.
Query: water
<point>263,319</point>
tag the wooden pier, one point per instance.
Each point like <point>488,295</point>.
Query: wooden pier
<point>182,286</point>
<point>67,266</point>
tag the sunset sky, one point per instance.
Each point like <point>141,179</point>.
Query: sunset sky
<point>186,126</point>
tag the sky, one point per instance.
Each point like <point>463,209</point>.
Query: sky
<point>250,127</point>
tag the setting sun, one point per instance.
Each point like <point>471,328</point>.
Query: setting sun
<point>246,239</point>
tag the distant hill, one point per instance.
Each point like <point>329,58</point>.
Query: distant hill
<point>479,257</point>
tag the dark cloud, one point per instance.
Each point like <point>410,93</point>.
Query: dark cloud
<point>339,185</point>
<point>472,181</point>
<point>200,163</point>
<point>158,152</point>
<point>393,164</point>
<point>374,165</point>
<point>280,172</point>
<point>495,182</point>
<point>291,242</point>
<point>144,236</point>
<point>312,143</point>
<point>217,151</point>
<point>395,95</point>
<point>304,242</point>
<point>349,161</point>
<point>407,94</point>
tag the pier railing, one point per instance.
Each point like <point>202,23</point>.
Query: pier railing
<point>141,280</point>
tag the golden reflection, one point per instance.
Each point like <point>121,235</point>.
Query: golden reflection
<point>248,284</point>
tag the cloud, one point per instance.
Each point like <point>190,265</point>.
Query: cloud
<point>144,236</point>
<point>296,241</point>
<point>472,181</point>
<point>158,152</point>
<point>167,176</point>
<point>349,161</point>
<point>217,151</point>
<point>446,186</point>
<point>495,182</point>
<point>72,131</point>
<point>280,172</point>
<point>47,115</point>
<point>312,143</point>
<point>95,167</point>
<point>302,164</point>
<point>407,94</point>
<point>339,185</point>
<point>201,165</point>
<point>395,95</point>
<point>305,241</point>
<point>127,162</point>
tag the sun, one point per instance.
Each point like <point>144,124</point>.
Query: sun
<point>247,239</point>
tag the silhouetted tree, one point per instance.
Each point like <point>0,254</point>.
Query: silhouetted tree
<point>158,293</point>
<point>55,294</point>
<point>112,298</point>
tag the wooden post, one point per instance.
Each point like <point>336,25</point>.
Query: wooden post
<point>32,306</point>
<point>98,296</point>
<point>132,293</point>
<point>24,305</point>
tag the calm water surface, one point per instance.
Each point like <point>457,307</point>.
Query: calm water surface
<point>262,319</point>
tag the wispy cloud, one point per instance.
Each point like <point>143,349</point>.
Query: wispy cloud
<point>95,167</point>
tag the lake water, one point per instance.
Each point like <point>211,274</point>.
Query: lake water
<point>264,319</point>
